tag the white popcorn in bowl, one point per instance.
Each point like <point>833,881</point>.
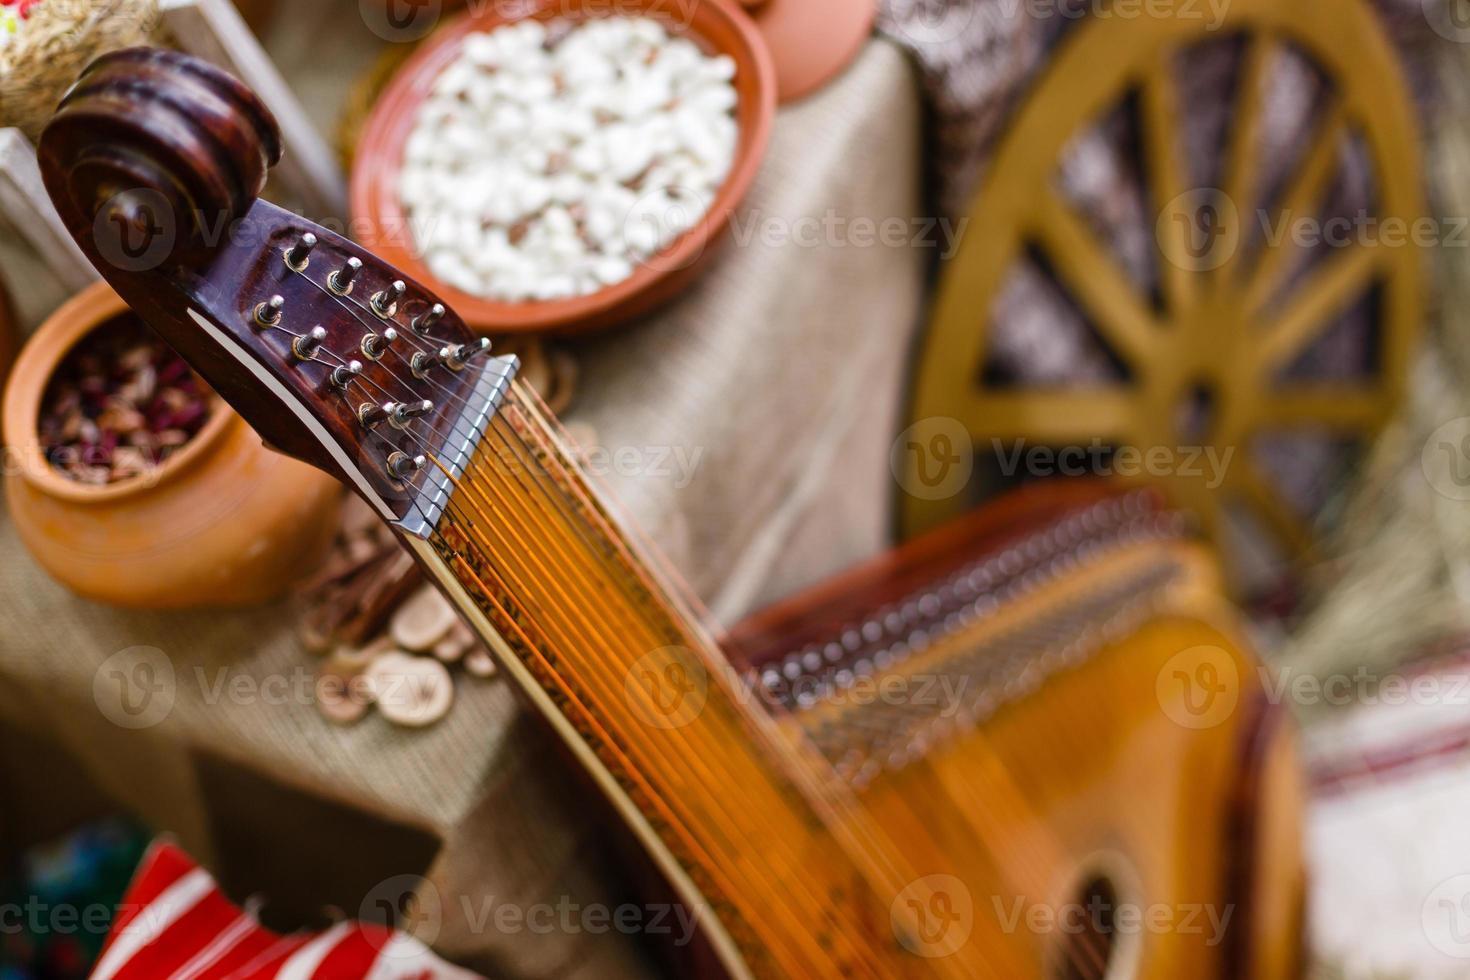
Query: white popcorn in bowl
<point>549,160</point>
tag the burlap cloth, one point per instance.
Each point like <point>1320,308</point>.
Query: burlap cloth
<point>780,373</point>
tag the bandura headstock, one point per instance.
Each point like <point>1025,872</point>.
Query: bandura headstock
<point>155,161</point>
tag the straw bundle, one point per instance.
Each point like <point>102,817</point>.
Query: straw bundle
<point>52,46</point>
<point>1399,578</point>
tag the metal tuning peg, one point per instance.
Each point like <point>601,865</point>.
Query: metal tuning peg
<point>371,416</point>
<point>385,301</point>
<point>268,314</point>
<point>344,375</point>
<point>458,355</point>
<point>299,254</point>
<point>401,466</point>
<point>305,346</point>
<point>402,413</point>
<point>421,363</point>
<point>425,321</point>
<point>340,282</point>
<point>374,345</point>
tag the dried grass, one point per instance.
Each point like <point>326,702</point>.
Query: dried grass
<point>58,40</point>
<point>1398,577</point>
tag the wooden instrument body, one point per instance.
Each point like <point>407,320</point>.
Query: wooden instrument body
<point>1087,762</point>
<point>1153,762</point>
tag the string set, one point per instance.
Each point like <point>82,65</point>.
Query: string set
<point>583,612</point>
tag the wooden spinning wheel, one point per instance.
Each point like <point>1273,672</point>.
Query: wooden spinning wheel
<point>1216,323</point>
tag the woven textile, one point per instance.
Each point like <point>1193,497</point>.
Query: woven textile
<point>174,922</point>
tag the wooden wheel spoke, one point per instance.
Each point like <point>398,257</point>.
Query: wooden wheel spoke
<point>1300,202</point>
<point>1164,171</point>
<point>1071,416</point>
<point>1100,285</point>
<point>1343,277</point>
<point>1268,503</point>
<point>1204,503</point>
<point>1246,276</point>
<point>1243,154</point>
<point>1338,408</point>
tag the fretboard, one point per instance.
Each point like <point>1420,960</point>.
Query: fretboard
<point>741,815</point>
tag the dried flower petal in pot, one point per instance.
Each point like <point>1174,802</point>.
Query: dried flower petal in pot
<point>131,484</point>
<point>120,404</point>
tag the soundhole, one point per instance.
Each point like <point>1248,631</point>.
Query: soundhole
<point>1090,943</point>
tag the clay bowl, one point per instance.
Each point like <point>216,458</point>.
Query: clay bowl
<point>811,41</point>
<point>715,25</point>
<point>223,521</point>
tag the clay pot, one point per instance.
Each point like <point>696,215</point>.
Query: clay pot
<point>811,41</point>
<point>221,522</point>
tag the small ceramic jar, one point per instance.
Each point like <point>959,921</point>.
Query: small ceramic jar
<point>223,521</point>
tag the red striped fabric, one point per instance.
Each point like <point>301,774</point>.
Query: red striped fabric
<point>174,924</point>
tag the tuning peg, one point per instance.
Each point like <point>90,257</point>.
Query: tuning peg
<point>385,301</point>
<point>268,314</point>
<point>459,355</point>
<point>426,320</point>
<point>371,416</point>
<point>401,466</point>
<point>421,364</point>
<point>297,255</point>
<point>344,375</point>
<point>306,346</point>
<point>402,413</point>
<point>341,280</point>
<point>375,344</point>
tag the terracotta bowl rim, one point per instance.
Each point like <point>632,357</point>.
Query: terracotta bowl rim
<point>378,160</point>
<point>43,353</point>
